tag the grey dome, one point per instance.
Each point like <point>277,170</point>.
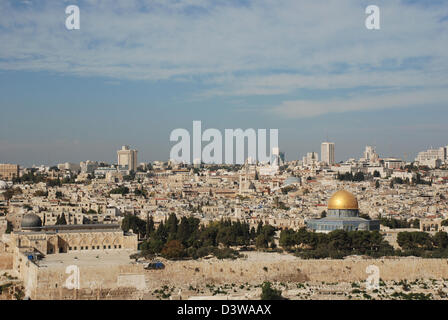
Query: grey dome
<point>3,185</point>
<point>31,220</point>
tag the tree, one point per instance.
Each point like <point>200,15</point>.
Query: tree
<point>61,220</point>
<point>171,226</point>
<point>149,225</point>
<point>137,225</point>
<point>415,240</point>
<point>152,246</point>
<point>440,240</point>
<point>359,176</point>
<point>54,182</point>
<point>259,227</point>
<point>416,223</point>
<point>8,227</point>
<point>120,190</point>
<point>323,214</point>
<point>269,293</point>
<point>377,184</point>
<point>173,250</point>
<point>287,238</point>
<point>261,241</point>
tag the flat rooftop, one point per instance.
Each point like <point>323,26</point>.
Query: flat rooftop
<point>106,258</point>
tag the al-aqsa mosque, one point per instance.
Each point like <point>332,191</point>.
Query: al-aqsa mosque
<point>343,214</point>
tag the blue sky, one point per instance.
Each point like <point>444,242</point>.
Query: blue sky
<point>138,69</point>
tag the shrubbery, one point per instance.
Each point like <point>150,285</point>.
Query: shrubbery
<point>187,238</point>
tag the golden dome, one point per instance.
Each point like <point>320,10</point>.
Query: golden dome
<point>342,200</point>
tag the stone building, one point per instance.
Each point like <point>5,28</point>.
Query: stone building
<point>343,214</point>
<point>70,238</point>
<point>9,171</point>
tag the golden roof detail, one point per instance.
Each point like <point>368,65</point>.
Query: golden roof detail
<point>343,200</point>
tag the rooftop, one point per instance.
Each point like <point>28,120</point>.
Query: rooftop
<point>112,258</point>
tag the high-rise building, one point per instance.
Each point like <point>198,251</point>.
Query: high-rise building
<point>127,158</point>
<point>327,153</point>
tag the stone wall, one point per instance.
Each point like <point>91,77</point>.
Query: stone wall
<point>103,281</point>
<point>96,282</point>
<point>6,260</point>
<point>294,270</point>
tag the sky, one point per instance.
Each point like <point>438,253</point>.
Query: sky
<point>138,69</point>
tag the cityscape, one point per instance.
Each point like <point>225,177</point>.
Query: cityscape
<point>224,217</point>
<point>215,159</point>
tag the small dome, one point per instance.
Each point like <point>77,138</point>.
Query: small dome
<point>31,221</point>
<point>343,200</point>
<point>3,185</point>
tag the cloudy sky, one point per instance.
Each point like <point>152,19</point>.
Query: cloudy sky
<point>137,69</point>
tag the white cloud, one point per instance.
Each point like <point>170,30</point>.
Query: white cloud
<point>265,48</point>
<point>312,108</point>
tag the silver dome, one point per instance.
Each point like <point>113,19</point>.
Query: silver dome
<point>31,221</point>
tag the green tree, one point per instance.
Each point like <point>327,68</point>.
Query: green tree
<point>269,293</point>
<point>8,227</point>
<point>137,225</point>
<point>440,240</point>
<point>60,220</point>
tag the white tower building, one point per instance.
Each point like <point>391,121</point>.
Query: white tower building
<point>127,158</point>
<point>327,153</point>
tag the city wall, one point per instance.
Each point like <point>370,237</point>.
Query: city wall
<point>131,281</point>
<point>95,282</point>
<point>6,261</point>
<point>295,270</point>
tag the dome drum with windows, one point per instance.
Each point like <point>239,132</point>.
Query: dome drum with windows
<point>343,213</point>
